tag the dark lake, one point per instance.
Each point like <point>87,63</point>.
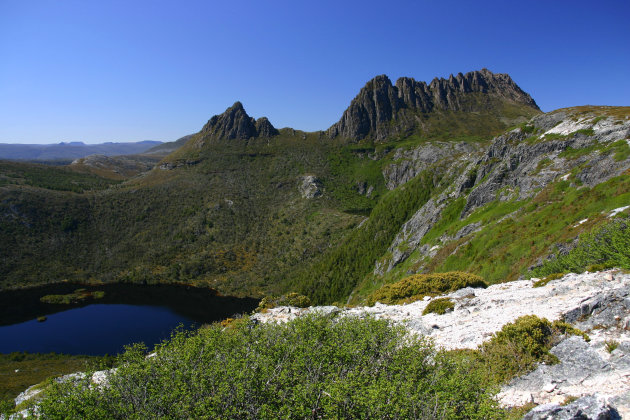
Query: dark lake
<point>126,314</point>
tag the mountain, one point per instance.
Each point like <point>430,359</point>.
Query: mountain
<point>433,179</point>
<point>382,110</point>
<point>71,150</point>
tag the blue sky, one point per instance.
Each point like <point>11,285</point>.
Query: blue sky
<point>112,70</point>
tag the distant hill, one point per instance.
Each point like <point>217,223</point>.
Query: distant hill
<point>71,150</point>
<point>168,147</point>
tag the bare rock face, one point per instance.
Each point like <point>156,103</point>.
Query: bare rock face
<point>264,128</point>
<point>310,187</point>
<point>379,102</point>
<point>590,407</point>
<point>234,123</point>
<point>516,165</point>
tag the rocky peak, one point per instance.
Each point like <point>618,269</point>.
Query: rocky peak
<point>234,123</point>
<point>264,128</point>
<point>376,103</point>
<point>380,102</point>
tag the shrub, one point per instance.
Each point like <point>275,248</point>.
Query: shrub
<point>311,367</point>
<point>78,295</point>
<point>520,345</point>
<point>290,299</point>
<point>439,306</point>
<point>416,287</point>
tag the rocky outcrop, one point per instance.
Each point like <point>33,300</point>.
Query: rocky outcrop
<point>599,303</point>
<point>381,109</point>
<point>309,186</point>
<point>590,407</point>
<point>410,162</point>
<point>234,123</point>
<point>517,165</point>
<point>526,163</point>
<point>264,128</point>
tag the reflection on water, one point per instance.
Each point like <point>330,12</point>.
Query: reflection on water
<point>126,314</point>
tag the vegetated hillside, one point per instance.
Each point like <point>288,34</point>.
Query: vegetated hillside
<point>528,196</point>
<point>250,210</point>
<point>115,167</point>
<point>168,147</point>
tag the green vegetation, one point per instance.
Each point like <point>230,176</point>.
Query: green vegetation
<point>417,286</point>
<point>310,367</point>
<point>620,148</point>
<point>584,131</point>
<point>543,282</point>
<point>549,218</point>
<point>18,370</point>
<point>611,345</point>
<point>520,345</point>
<point>319,365</point>
<point>50,177</point>
<point>79,295</point>
<point>439,306</point>
<point>606,246</point>
<point>335,275</point>
<point>290,299</point>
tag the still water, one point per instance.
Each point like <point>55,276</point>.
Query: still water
<point>127,314</point>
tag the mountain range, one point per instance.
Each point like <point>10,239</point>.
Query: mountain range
<point>464,173</point>
<point>71,150</point>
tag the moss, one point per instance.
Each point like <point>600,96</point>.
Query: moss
<point>611,345</point>
<point>585,131</point>
<point>554,136</point>
<point>417,286</point>
<point>439,306</point>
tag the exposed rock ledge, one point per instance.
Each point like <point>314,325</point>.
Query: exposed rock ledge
<point>598,303</point>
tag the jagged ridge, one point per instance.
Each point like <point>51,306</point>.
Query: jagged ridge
<point>380,102</point>
<point>234,123</point>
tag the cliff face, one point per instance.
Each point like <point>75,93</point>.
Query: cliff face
<point>373,112</point>
<point>234,123</point>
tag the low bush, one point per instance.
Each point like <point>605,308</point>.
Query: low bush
<point>311,367</point>
<point>520,345</point>
<point>290,299</point>
<point>439,306</point>
<point>78,295</point>
<point>416,287</point>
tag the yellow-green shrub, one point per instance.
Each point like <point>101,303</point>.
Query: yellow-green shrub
<point>290,299</point>
<point>521,344</point>
<point>417,286</point>
<point>438,306</point>
<point>543,282</point>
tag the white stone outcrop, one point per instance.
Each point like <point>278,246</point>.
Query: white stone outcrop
<point>598,303</point>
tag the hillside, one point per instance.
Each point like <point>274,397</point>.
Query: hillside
<point>413,178</point>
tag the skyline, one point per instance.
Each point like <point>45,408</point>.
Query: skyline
<point>119,72</point>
